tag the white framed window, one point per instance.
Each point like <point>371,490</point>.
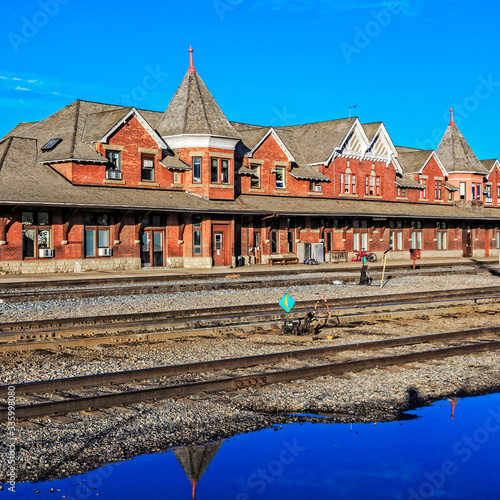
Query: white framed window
<point>462,190</point>
<point>196,170</point>
<point>280,178</point>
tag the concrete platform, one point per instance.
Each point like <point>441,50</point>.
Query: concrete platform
<point>278,269</point>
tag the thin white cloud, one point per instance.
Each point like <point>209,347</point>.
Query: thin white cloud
<point>22,88</point>
<point>17,79</point>
<point>3,78</point>
<point>32,81</point>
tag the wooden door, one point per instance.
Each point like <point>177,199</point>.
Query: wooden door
<point>152,254</point>
<point>220,245</point>
<point>467,243</point>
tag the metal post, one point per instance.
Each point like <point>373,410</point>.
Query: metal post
<point>383,271</point>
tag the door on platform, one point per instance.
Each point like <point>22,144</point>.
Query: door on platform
<point>467,242</point>
<point>256,246</point>
<point>152,244</point>
<point>220,245</point>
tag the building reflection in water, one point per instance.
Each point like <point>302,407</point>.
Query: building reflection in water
<point>195,461</point>
<point>453,402</point>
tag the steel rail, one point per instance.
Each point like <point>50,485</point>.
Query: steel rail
<point>258,379</point>
<point>103,379</point>
<point>78,291</point>
<point>228,312</point>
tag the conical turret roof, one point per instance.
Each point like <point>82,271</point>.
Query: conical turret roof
<point>193,110</point>
<point>455,153</point>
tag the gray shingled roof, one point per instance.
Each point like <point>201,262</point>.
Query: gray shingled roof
<point>98,124</point>
<point>407,181</point>
<point>488,164</point>
<point>24,181</point>
<point>318,140</point>
<point>412,160</point>
<point>250,136</point>
<point>171,160</point>
<point>455,153</point>
<point>193,110</point>
<point>18,129</point>
<point>370,129</point>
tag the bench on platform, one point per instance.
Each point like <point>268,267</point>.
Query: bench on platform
<point>282,260</point>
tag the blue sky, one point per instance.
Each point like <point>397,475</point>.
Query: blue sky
<point>278,62</point>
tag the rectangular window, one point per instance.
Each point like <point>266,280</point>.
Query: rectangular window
<point>196,170</point>
<point>342,183</point>
<point>329,241</point>
<point>355,242</point>
<point>314,186</point>
<point>478,191</point>
<point>347,184</point>
<point>353,184</point>
<point>372,185</point>
<point>498,191</point>
<point>280,178</point>
<point>114,160</point>
<point>438,190</point>
<point>274,241</point>
<point>462,190</point>
<point>89,242</point>
<point>148,168</point>
<point>219,171</point>
<point>487,193</point>
<point>291,242</point>
<point>416,240</point>
<point>255,178</point>
<point>497,239</point>
<point>197,235</point>
<point>423,193</point>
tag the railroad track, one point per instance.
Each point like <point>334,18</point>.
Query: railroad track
<point>42,334</point>
<point>126,397</point>
<point>140,285</point>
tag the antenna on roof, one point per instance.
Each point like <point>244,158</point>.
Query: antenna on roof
<point>352,107</point>
<point>451,119</point>
<point>191,67</point>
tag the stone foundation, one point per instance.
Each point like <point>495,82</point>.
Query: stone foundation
<point>68,266</point>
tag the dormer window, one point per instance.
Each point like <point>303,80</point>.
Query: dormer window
<point>280,178</point>
<point>148,168</point>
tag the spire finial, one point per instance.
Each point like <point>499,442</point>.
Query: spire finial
<point>191,67</point>
<point>451,119</point>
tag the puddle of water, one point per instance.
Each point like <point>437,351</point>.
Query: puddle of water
<point>432,456</point>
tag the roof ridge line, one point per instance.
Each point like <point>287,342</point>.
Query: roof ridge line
<point>75,128</point>
<point>9,140</point>
<point>203,104</point>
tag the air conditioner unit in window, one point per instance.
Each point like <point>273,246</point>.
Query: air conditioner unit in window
<point>317,187</point>
<point>45,253</point>
<point>105,252</point>
<point>114,174</point>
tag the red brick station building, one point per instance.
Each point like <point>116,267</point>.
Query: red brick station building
<point>100,187</point>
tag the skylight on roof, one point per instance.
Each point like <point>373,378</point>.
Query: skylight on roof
<point>51,144</point>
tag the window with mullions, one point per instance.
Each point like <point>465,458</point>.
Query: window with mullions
<point>153,220</point>
<point>347,184</point>
<point>37,233</point>
<point>196,170</point>
<point>396,235</point>
<point>255,178</point>
<point>280,178</point>
<point>219,172</point>
<point>441,240</point>
<point>197,235</point>
<point>438,191</point>
<point>416,235</point>
<point>372,185</point>
<point>423,192</point>
<point>114,160</point>
<point>147,167</point>
<point>96,233</point>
